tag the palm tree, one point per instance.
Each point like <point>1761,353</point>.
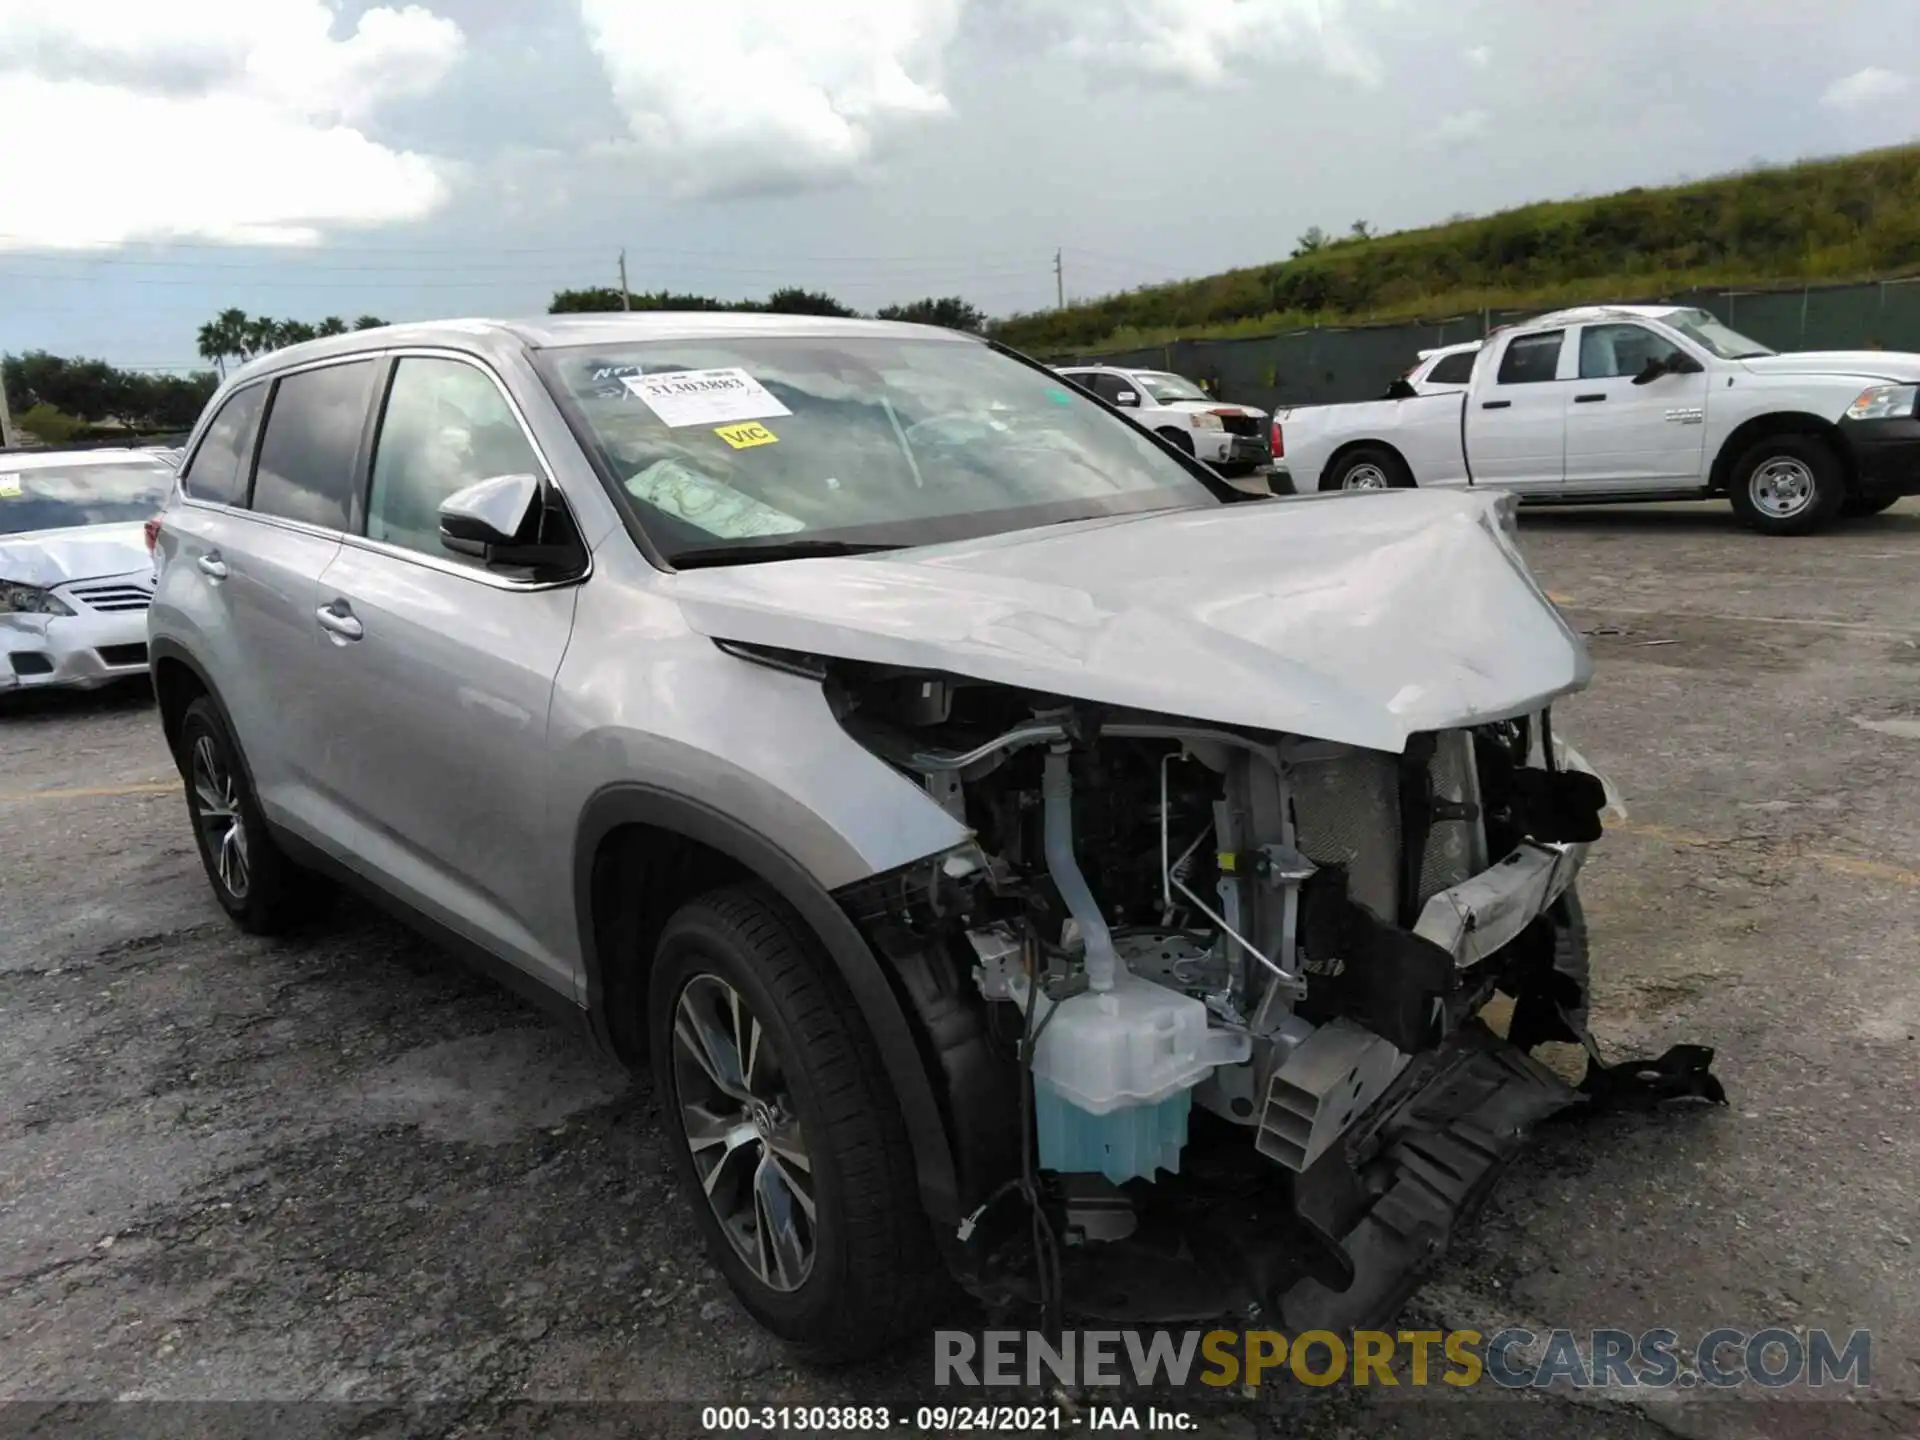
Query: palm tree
<point>332,325</point>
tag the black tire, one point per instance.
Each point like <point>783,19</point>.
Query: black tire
<point>874,1276</point>
<point>1179,439</point>
<point>273,895</point>
<point>1763,483</point>
<point>1860,507</point>
<point>1362,464</point>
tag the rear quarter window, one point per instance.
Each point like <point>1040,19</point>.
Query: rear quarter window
<point>1452,369</point>
<point>312,444</point>
<point>222,466</point>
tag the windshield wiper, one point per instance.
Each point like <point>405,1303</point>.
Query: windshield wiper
<point>790,550</point>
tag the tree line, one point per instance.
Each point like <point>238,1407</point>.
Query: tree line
<point>237,336</point>
<point>58,399</point>
<point>950,310</point>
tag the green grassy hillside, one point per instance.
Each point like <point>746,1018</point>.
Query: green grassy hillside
<point>1851,218</point>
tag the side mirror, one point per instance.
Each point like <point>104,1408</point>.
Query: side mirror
<point>1651,371</point>
<point>497,521</point>
<point>1126,397</point>
<point>1681,363</point>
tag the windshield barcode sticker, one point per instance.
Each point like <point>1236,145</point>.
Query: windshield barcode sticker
<point>704,397</point>
<point>9,484</point>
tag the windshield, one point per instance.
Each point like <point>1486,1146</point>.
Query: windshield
<point>729,449</point>
<point>1701,327</point>
<point>61,497</point>
<point>1166,388</point>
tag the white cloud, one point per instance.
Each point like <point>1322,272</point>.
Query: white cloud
<point>260,110</point>
<point>1864,89</point>
<point>1479,56</point>
<point>739,96</point>
<point>1205,44</point>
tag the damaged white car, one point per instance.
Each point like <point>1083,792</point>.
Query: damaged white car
<point>1021,857</point>
<point>75,575</point>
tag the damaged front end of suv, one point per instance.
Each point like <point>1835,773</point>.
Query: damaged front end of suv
<point>1200,999</point>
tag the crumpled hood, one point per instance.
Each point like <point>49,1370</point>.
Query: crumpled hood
<point>53,557</point>
<point>1896,365</point>
<point>1360,618</point>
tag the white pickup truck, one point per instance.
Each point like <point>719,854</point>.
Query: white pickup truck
<point>1635,403</point>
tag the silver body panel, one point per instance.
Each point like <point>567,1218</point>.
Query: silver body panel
<point>449,750</point>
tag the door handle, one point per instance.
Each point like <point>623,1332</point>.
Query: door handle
<point>213,567</point>
<point>1496,404</point>
<point>1587,399</point>
<point>340,625</point>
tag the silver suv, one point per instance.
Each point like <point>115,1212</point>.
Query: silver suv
<point>1021,858</point>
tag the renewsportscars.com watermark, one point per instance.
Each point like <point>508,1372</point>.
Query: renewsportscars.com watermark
<point>1511,1359</point>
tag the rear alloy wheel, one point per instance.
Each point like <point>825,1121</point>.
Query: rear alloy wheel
<point>1787,485</point>
<point>1370,467</point>
<point>785,1132</point>
<point>259,887</point>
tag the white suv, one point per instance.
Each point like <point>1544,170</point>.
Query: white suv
<point>1232,438</point>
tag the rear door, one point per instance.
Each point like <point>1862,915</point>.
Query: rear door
<point>1626,437</point>
<point>1517,419</point>
<point>265,561</point>
<point>437,673</point>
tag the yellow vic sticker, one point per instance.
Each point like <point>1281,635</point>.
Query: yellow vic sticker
<point>748,435</point>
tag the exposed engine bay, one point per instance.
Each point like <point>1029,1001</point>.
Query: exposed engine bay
<point>1201,1001</point>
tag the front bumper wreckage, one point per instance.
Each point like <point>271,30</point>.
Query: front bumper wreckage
<point>1336,1231</point>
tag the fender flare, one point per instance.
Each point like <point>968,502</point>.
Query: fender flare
<point>173,650</point>
<point>631,803</point>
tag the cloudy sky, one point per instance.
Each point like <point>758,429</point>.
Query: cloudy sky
<point>304,158</point>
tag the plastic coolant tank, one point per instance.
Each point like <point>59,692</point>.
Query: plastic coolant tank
<point>1114,1074</point>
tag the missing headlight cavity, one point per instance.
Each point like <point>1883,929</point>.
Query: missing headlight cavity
<point>1201,1001</point>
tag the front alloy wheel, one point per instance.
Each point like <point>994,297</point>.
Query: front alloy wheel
<point>787,1137</point>
<point>737,1112</point>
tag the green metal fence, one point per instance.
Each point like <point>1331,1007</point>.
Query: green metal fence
<point>1331,364</point>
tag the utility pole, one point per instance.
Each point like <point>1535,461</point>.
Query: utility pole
<point>626,300</point>
<point>1059,282</point>
<point>6,418</point>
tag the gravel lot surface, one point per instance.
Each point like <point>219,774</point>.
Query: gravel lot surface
<point>344,1169</point>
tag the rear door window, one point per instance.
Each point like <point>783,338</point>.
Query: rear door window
<point>1531,359</point>
<point>312,444</point>
<point>222,466</point>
